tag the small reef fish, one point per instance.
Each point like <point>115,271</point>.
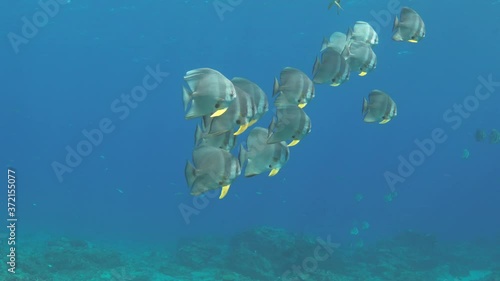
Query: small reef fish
<point>336,3</point>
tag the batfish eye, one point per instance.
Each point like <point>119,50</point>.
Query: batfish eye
<point>270,166</point>
<point>217,105</point>
<point>293,137</point>
<point>238,122</point>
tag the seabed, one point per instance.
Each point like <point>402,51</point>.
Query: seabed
<point>261,254</point>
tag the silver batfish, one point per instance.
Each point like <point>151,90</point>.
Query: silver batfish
<point>213,168</point>
<point>262,156</point>
<point>210,93</point>
<point>379,108</point>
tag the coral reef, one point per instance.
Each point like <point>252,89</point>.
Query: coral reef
<point>262,254</point>
<point>265,253</point>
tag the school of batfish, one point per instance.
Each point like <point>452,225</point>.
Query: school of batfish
<point>228,107</point>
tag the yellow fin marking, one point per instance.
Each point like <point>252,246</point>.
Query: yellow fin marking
<point>294,143</point>
<point>241,129</point>
<point>224,191</point>
<point>274,172</point>
<point>218,112</point>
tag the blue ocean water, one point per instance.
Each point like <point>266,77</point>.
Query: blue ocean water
<point>67,77</point>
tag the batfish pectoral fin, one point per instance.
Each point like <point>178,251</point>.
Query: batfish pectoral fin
<point>302,105</point>
<point>384,121</point>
